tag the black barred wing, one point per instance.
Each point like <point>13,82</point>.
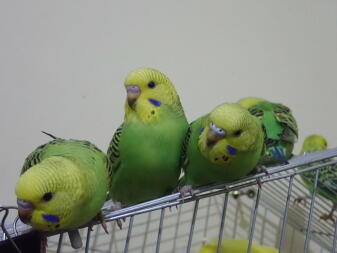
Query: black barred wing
<point>284,116</point>
<point>36,156</point>
<point>183,157</point>
<point>257,112</point>
<point>113,151</point>
<point>327,180</point>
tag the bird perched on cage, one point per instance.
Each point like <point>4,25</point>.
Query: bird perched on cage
<point>63,184</point>
<point>235,246</point>
<point>144,153</point>
<point>327,177</point>
<point>279,126</point>
<point>223,145</point>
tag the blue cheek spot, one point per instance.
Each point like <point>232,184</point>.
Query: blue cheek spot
<point>232,150</point>
<point>201,130</point>
<point>154,102</point>
<point>50,218</point>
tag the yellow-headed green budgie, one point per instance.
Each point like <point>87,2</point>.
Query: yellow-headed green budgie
<point>144,154</point>
<point>63,185</point>
<point>224,145</point>
<point>280,129</point>
<point>235,246</point>
<point>327,178</point>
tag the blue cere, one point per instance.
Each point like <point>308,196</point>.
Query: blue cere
<point>50,218</point>
<point>154,102</point>
<point>231,150</point>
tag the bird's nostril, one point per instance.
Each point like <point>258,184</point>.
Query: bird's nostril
<point>26,205</point>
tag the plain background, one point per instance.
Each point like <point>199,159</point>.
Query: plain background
<point>63,63</point>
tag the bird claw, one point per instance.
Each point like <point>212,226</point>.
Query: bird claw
<point>298,200</point>
<point>120,223</point>
<point>100,217</point>
<point>327,217</point>
<point>186,190</point>
<point>170,208</point>
<point>261,169</point>
<point>259,183</point>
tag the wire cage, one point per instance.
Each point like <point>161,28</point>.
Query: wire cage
<point>259,208</point>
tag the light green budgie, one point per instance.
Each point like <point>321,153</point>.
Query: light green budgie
<point>280,129</point>
<point>63,185</point>
<point>144,153</point>
<point>235,246</point>
<point>327,179</point>
<point>224,145</point>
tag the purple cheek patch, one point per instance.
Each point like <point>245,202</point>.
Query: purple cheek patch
<point>231,150</point>
<point>154,102</point>
<point>50,218</point>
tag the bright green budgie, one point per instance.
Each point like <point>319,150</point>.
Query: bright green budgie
<point>327,178</point>
<point>280,129</point>
<point>144,153</point>
<point>224,145</point>
<point>235,246</point>
<point>63,185</point>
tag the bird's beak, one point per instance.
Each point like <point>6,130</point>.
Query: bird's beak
<point>25,209</point>
<point>133,92</point>
<point>213,137</point>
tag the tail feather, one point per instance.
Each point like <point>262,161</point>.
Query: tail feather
<point>50,135</point>
<point>278,154</point>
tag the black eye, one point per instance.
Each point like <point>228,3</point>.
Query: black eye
<point>47,196</point>
<point>237,133</point>
<point>151,84</point>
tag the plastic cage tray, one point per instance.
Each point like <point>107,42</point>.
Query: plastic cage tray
<point>263,212</point>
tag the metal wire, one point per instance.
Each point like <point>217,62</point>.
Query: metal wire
<point>307,235</point>
<point>222,223</point>
<point>192,226</point>
<point>285,216</point>
<point>160,229</point>
<point>280,183</point>
<point>6,234</point>
<point>253,220</point>
<point>128,237</point>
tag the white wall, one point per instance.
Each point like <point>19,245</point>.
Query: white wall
<point>62,64</point>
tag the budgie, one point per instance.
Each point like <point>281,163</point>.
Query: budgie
<point>327,178</point>
<point>63,184</point>
<point>280,129</point>
<point>224,145</point>
<point>235,246</point>
<point>144,153</point>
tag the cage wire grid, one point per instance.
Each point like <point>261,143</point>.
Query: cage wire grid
<point>259,208</point>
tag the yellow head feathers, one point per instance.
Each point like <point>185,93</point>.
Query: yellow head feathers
<point>314,143</point>
<point>249,101</point>
<point>228,129</point>
<point>48,192</point>
<point>148,91</point>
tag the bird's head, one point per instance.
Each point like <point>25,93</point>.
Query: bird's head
<point>314,143</point>
<point>148,90</point>
<point>228,130</point>
<point>48,192</point>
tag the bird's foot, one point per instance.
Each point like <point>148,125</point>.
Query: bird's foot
<point>261,169</point>
<point>327,217</point>
<point>120,222</point>
<point>299,200</point>
<point>100,218</point>
<point>259,183</point>
<point>186,190</point>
